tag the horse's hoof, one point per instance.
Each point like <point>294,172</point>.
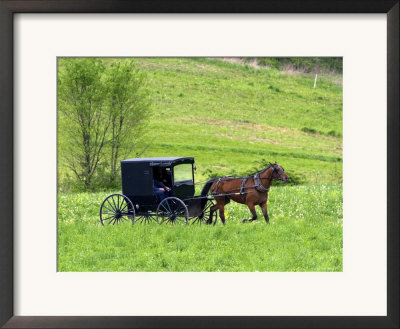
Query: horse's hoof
<point>244,220</point>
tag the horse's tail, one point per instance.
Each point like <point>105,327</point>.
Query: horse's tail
<point>207,186</point>
<point>205,190</point>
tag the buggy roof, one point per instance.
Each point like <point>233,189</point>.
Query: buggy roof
<point>160,162</point>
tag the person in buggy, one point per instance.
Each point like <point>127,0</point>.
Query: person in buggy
<point>160,189</point>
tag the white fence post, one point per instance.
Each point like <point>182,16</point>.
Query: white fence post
<point>315,80</point>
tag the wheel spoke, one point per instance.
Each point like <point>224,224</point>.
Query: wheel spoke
<point>108,213</point>
<point>179,208</point>
<point>126,205</point>
<point>108,208</point>
<point>108,200</point>
<point>112,198</point>
<point>181,219</point>
<point>108,218</point>
<point>165,209</point>
<point>169,208</point>
<point>198,220</point>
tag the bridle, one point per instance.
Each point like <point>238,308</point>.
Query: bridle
<point>258,180</point>
<point>274,170</point>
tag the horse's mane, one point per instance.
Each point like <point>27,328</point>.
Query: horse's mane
<point>260,171</point>
<point>246,176</point>
<point>225,178</point>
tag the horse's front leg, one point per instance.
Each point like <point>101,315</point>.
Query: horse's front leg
<point>221,209</point>
<point>264,209</point>
<point>253,212</point>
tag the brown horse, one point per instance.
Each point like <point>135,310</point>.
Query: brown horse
<point>251,190</point>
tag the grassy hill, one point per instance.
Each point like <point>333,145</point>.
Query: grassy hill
<point>234,118</point>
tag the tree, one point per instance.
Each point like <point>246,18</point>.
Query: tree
<point>103,106</point>
<point>127,102</point>
<point>84,121</point>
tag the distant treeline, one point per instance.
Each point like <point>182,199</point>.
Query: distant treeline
<point>304,64</point>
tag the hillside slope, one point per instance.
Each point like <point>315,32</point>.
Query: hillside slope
<point>234,118</point>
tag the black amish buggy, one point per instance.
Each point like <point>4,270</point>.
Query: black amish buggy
<point>139,203</point>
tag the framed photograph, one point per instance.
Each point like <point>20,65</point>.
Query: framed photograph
<point>227,104</point>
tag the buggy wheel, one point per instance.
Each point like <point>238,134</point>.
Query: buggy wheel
<point>145,218</point>
<point>206,214</point>
<point>172,210</point>
<point>116,208</point>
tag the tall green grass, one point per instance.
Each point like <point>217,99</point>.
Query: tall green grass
<point>304,234</point>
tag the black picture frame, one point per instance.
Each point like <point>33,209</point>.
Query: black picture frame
<point>7,10</point>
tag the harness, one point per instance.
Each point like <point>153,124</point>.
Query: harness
<point>258,185</point>
<point>242,188</point>
<point>214,191</point>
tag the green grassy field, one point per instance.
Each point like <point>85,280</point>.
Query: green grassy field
<point>233,119</point>
<point>305,234</point>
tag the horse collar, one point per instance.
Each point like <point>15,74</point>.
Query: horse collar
<point>258,186</point>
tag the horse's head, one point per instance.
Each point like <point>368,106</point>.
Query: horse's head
<point>278,172</point>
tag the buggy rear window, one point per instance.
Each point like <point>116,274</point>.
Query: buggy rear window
<point>183,172</point>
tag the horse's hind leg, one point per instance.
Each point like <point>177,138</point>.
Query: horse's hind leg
<point>213,209</point>
<point>221,201</point>
<point>253,212</point>
<point>264,209</point>
<point>220,207</point>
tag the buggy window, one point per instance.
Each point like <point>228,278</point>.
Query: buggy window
<point>183,172</point>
